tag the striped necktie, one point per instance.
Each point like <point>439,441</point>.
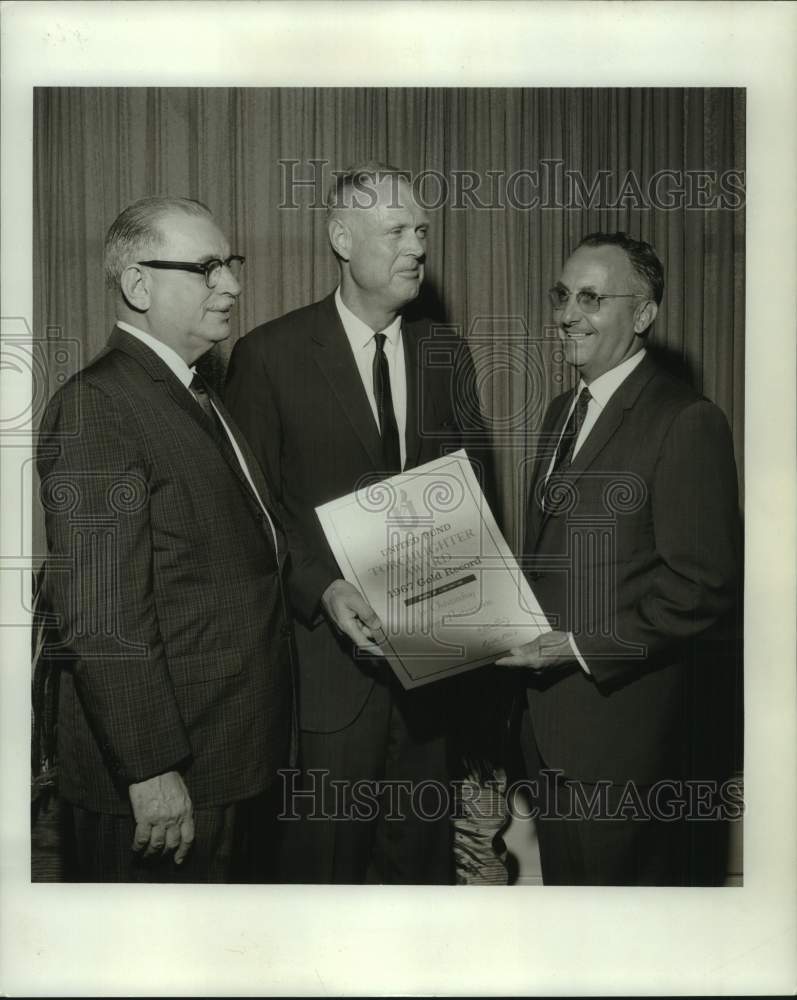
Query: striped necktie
<point>564,452</point>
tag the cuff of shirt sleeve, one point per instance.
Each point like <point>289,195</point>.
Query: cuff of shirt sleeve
<point>578,655</point>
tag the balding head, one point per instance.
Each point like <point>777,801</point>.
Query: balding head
<point>137,234</point>
<point>378,232</point>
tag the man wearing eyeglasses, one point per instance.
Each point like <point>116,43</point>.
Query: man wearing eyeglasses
<point>164,568</point>
<point>632,552</point>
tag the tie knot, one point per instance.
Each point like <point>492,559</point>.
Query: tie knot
<point>379,340</point>
<point>199,391</point>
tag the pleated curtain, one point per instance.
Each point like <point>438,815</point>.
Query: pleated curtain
<point>493,253</point>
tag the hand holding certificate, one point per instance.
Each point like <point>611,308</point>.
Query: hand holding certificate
<point>424,550</point>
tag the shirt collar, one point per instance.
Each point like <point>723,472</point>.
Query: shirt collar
<point>359,333</point>
<point>167,354</point>
<point>605,386</point>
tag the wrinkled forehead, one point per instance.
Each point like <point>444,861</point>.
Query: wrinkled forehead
<point>192,237</point>
<point>605,268</point>
<point>392,198</point>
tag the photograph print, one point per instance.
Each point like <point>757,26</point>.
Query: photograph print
<point>389,492</point>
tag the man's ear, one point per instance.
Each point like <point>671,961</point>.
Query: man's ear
<point>134,284</point>
<point>340,238</point>
<point>645,315</point>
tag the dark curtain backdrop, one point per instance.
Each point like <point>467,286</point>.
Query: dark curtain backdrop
<point>97,150</point>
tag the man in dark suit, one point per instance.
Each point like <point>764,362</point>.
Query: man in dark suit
<point>330,396</point>
<point>164,569</point>
<point>632,552</point>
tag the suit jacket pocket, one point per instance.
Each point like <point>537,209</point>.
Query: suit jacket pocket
<point>205,666</point>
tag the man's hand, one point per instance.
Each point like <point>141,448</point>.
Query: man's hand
<point>549,650</point>
<point>164,816</point>
<point>353,615</point>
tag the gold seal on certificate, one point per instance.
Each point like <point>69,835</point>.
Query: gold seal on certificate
<point>424,550</point>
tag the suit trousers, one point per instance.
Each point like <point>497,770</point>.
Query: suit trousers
<point>232,843</point>
<point>372,803</point>
<point>594,845</point>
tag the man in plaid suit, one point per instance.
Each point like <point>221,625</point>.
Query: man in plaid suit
<point>165,571</point>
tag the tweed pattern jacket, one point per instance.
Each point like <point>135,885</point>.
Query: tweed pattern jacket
<point>163,573</point>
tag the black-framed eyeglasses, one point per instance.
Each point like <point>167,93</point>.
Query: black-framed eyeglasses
<point>588,301</point>
<point>211,269</point>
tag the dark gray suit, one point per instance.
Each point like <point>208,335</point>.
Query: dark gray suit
<point>641,565</point>
<point>295,391</point>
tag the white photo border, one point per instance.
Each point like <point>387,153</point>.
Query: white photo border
<point>245,940</point>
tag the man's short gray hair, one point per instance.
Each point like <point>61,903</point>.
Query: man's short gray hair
<point>641,256</point>
<point>135,234</point>
<point>355,186</point>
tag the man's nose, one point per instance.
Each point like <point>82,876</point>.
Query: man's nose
<point>415,247</point>
<point>571,313</point>
<point>228,283</point>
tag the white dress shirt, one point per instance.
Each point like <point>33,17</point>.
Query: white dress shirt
<point>363,345</point>
<point>185,374</point>
<point>601,391</point>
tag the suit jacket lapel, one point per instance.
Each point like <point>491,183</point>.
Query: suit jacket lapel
<point>604,429</point>
<point>159,371</point>
<point>549,437</point>
<point>333,355</point>
<point>252,463</point>
<point>609,422</point>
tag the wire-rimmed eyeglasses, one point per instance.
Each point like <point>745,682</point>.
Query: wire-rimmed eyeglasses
<point>588,301</point>
<point>211,269</point>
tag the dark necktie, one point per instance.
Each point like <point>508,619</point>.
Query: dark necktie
<point>565,449</point>
<point>199,391</point>
<point>388,427</point>
<point>213,422</point>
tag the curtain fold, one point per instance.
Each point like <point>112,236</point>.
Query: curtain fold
<point>493,253</point>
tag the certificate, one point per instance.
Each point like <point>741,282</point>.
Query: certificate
<point>424,550</point>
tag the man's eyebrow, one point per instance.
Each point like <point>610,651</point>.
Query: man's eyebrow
<point>583,288</point>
